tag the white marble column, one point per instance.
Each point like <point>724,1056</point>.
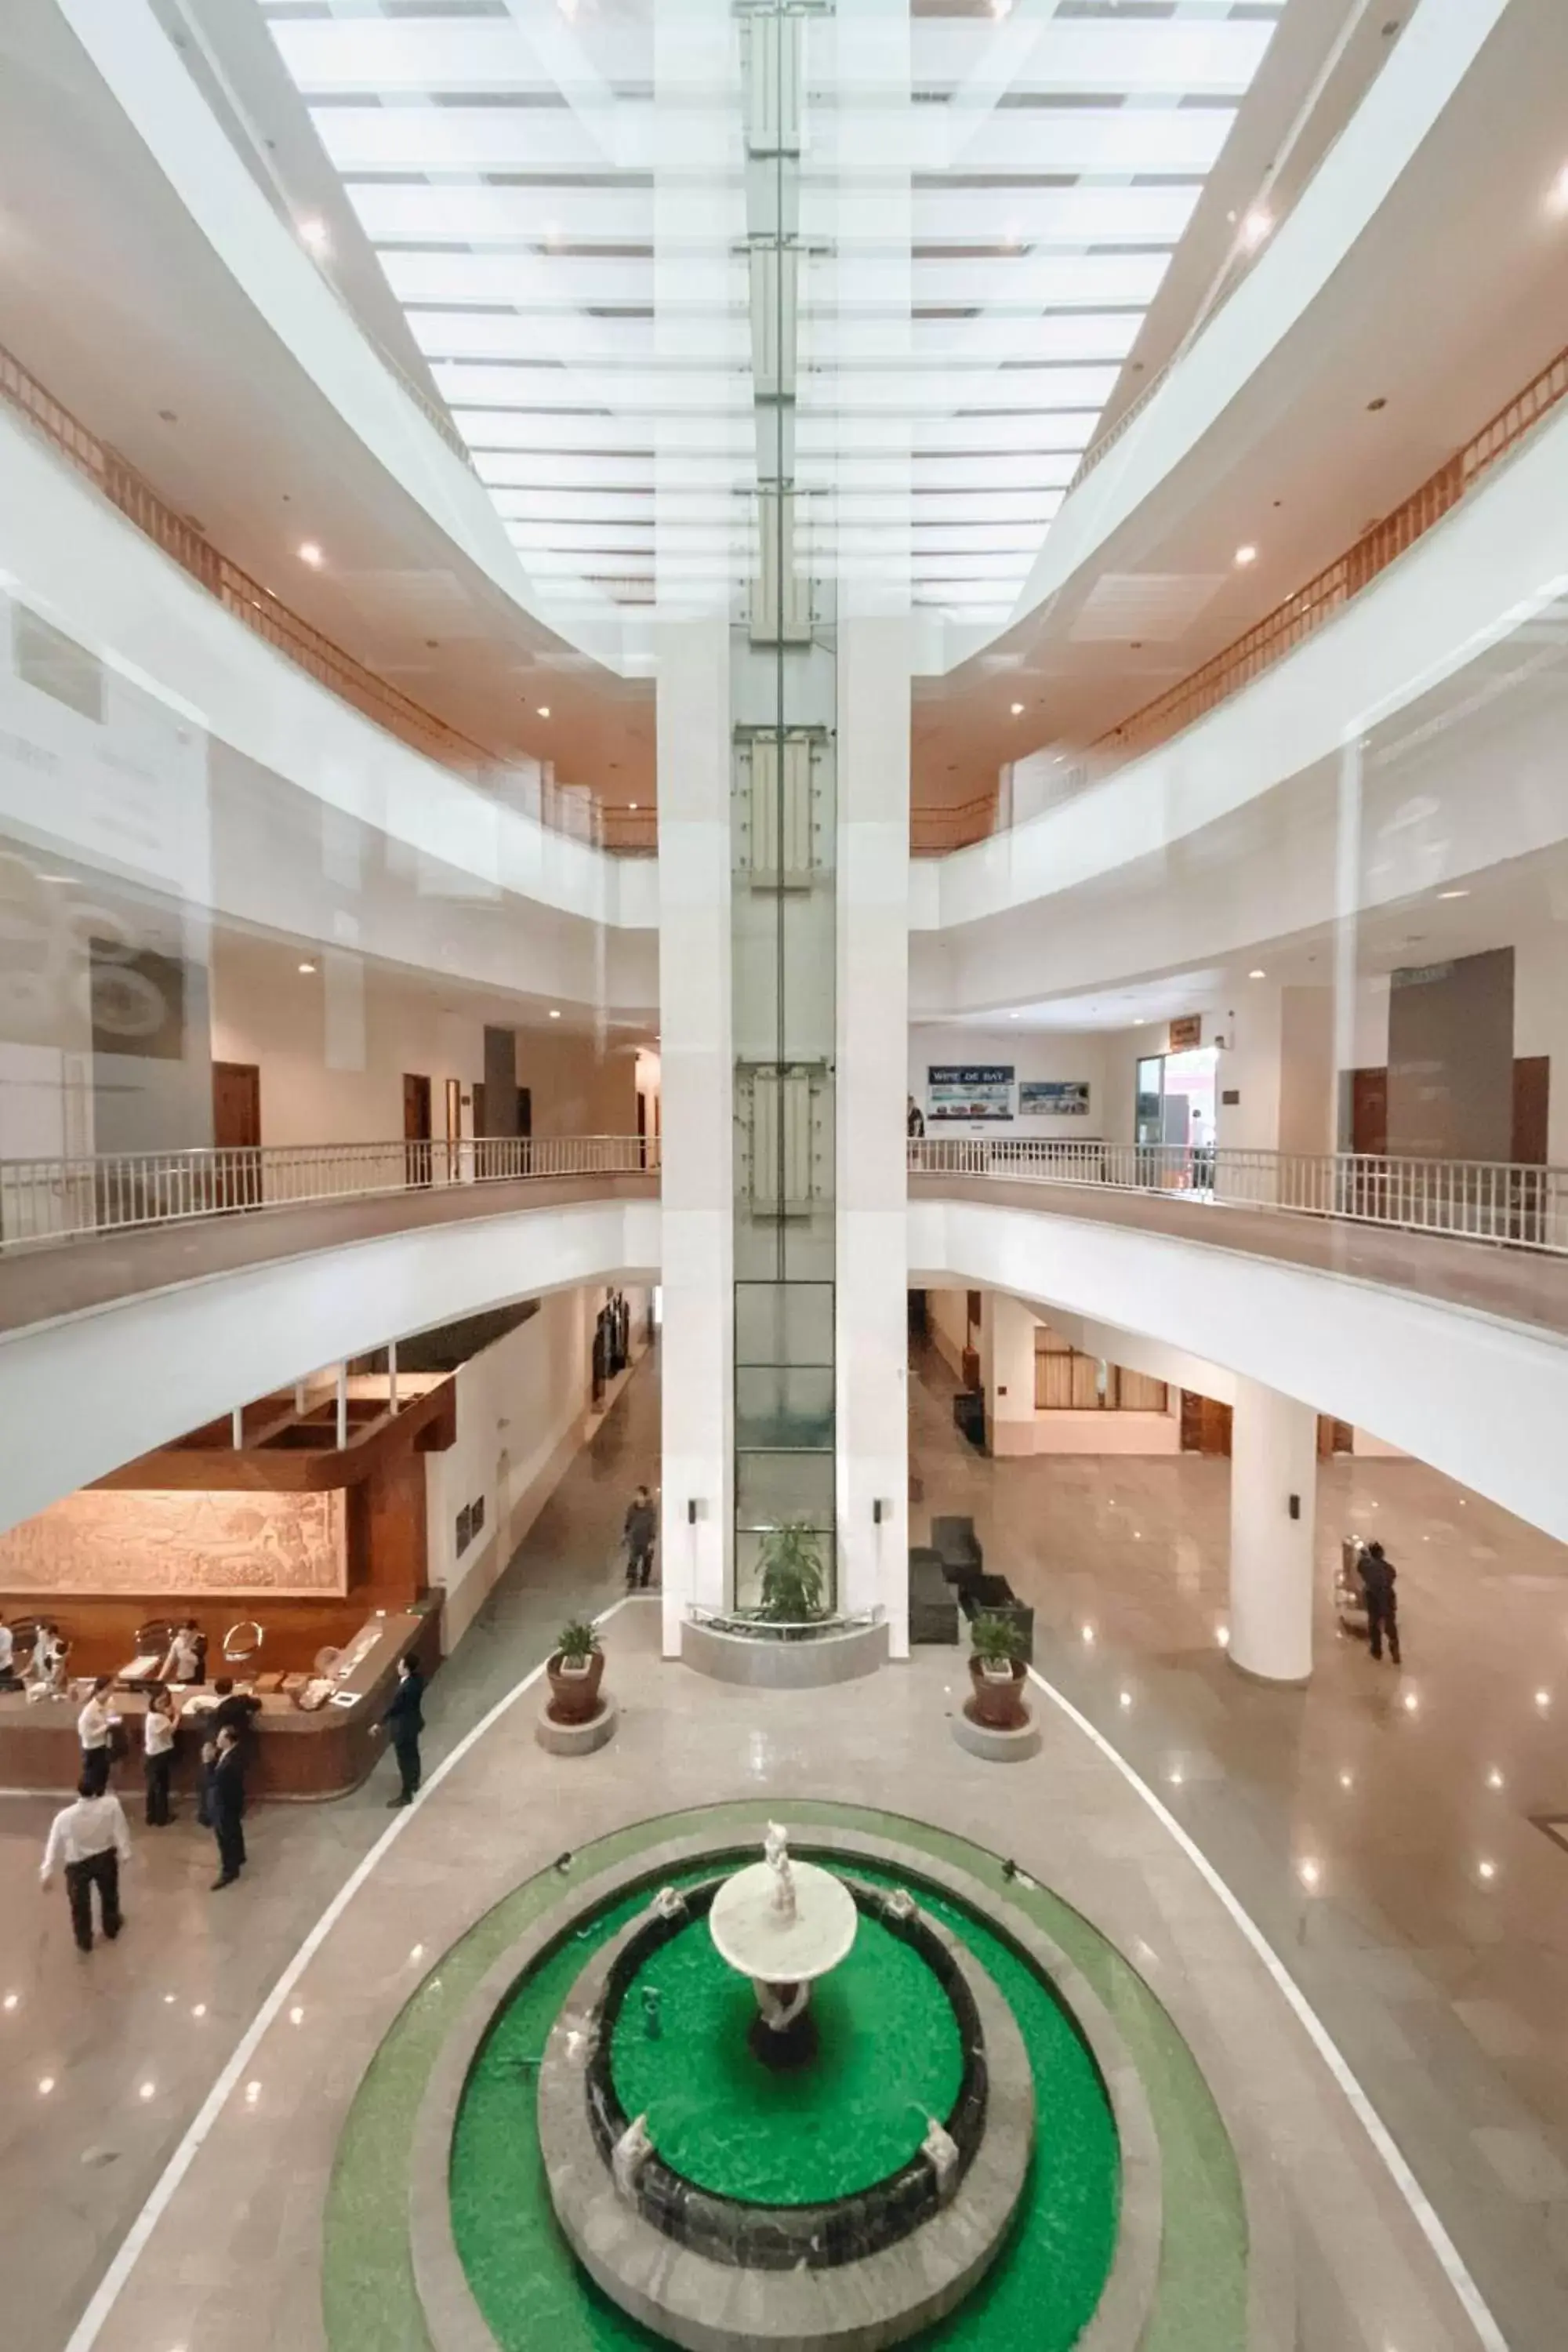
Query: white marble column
<point>872,1344</point>
<point>1274,1456</point>
<point>696,1079</point>
<point>1007,1373</point>
<point>870,276</point>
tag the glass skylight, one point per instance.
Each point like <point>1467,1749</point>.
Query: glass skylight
<point>988,208</point>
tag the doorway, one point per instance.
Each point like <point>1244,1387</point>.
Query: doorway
<point>1174,1106</point>
<point>416,1127</point>
<point>237,1134</point>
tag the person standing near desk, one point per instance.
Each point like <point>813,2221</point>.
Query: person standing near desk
<point>95,1727</point>
<point>236,1711</point>
<point>226,1795</point>
<point>188,1657</point>
<point>404,1717</point>
<point>158,1756</point>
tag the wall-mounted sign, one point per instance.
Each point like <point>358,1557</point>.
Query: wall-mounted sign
<point>969,1090</point>
<point>1052,1097</point>
<point>1185,1034</point>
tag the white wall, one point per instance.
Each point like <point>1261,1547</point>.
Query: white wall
<point>521,1410</point>
<point>1034,1053</point>
<point>332,1046</point>
<point>1414,744</point>
<point>221,775</point>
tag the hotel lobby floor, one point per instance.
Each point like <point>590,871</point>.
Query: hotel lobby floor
<point>165,2005</point>
<point>1444,1981</point>
<point>234,2257</point>
<point>1445,1993</point>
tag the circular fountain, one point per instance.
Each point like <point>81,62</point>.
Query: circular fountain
<point>759,2103</point>
<point>784,2073</point>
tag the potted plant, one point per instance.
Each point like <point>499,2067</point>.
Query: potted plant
<point>574,1671</point>
<point>791,1562</point>
<point>996,1674</point>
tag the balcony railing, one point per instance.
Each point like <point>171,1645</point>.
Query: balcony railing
<point>1463,1200</point>
<point>563,809</point>
<point>47,1201</point>
<point>937,831</point>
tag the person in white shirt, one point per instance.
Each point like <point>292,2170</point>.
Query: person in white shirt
<point>186,1661</point>
<point>8,1655</point>
<point>90,1841</point>
<point>158,1755</point>
<point>95,1727</point>
<point>48,1660</point>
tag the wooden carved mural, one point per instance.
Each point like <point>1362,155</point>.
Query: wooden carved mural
<point>120,1541</point>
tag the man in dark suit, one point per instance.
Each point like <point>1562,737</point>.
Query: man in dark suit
<point>226,1795</point>
<point>404,1718</point>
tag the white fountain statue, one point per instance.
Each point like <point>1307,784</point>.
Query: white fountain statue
<point>775,1846</point>
<point>783,1925</point>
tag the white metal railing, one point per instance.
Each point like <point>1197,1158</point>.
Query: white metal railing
<point>1467,1200</point>
<point>43,1201</point>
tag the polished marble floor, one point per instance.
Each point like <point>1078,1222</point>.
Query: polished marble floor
<point>1444,1986</point>
<point>1381,1826</point>
<point>130,2039</point>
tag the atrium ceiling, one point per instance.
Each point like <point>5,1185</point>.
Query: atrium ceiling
<point>991,202</point>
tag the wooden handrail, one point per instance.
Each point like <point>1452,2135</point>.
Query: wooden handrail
<point>267,617</point>
<point>1302,614</point>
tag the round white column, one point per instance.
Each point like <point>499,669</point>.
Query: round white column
<point>1274,1456</point>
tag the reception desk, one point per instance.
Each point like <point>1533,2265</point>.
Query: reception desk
<point>295,1753</point>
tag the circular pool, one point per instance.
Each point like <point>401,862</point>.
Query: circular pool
<point>740,2136</point>
<point>886,2055</point>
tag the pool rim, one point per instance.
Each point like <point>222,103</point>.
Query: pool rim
<point>452,2316</point>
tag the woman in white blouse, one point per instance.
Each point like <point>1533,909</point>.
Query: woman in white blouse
<point>158,1755</point>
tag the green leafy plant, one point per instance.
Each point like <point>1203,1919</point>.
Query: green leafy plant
<point>997,1640</point>
<point>578,1641</point>
<point>792,1578</point>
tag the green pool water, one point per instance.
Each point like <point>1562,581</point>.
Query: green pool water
<point>370,2304</point>
<point>881,2021</point>
<point>887,2057</point>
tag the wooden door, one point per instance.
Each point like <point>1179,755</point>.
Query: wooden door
<point>417,1126</point>
<point>1532,1096</point>
<point>237,1134</point>
<point>1369,1111</point>
<point>1206,1424</point>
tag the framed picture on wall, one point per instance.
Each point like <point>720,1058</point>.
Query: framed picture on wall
<point>969,1090</point>
<point>1053,1099</point>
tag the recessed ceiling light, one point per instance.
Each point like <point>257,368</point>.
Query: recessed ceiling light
<point>1309,1873</point>
<point>1124,1699</point>
<point>1486,1869</point>
<point>1410,1702</point>
<point>1017,710</point>
<point>307,967</point>
<point>1255,227</point>
<point>145,2090</point>
<point>1347,1780</point>
<point>554,1012</point>
<point>544,710</point>
<point>1453,894</point>
<point>311,554</point>
<point>1494,1779</point>
<point>1557,195</point>
<point>1246,555</point>
<point>45,2084</point>
<point>1258,973</point>
<point>313,232</point>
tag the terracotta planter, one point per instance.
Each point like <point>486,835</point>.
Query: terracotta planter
<point>997,1704</point>
<point>575,1698</point>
